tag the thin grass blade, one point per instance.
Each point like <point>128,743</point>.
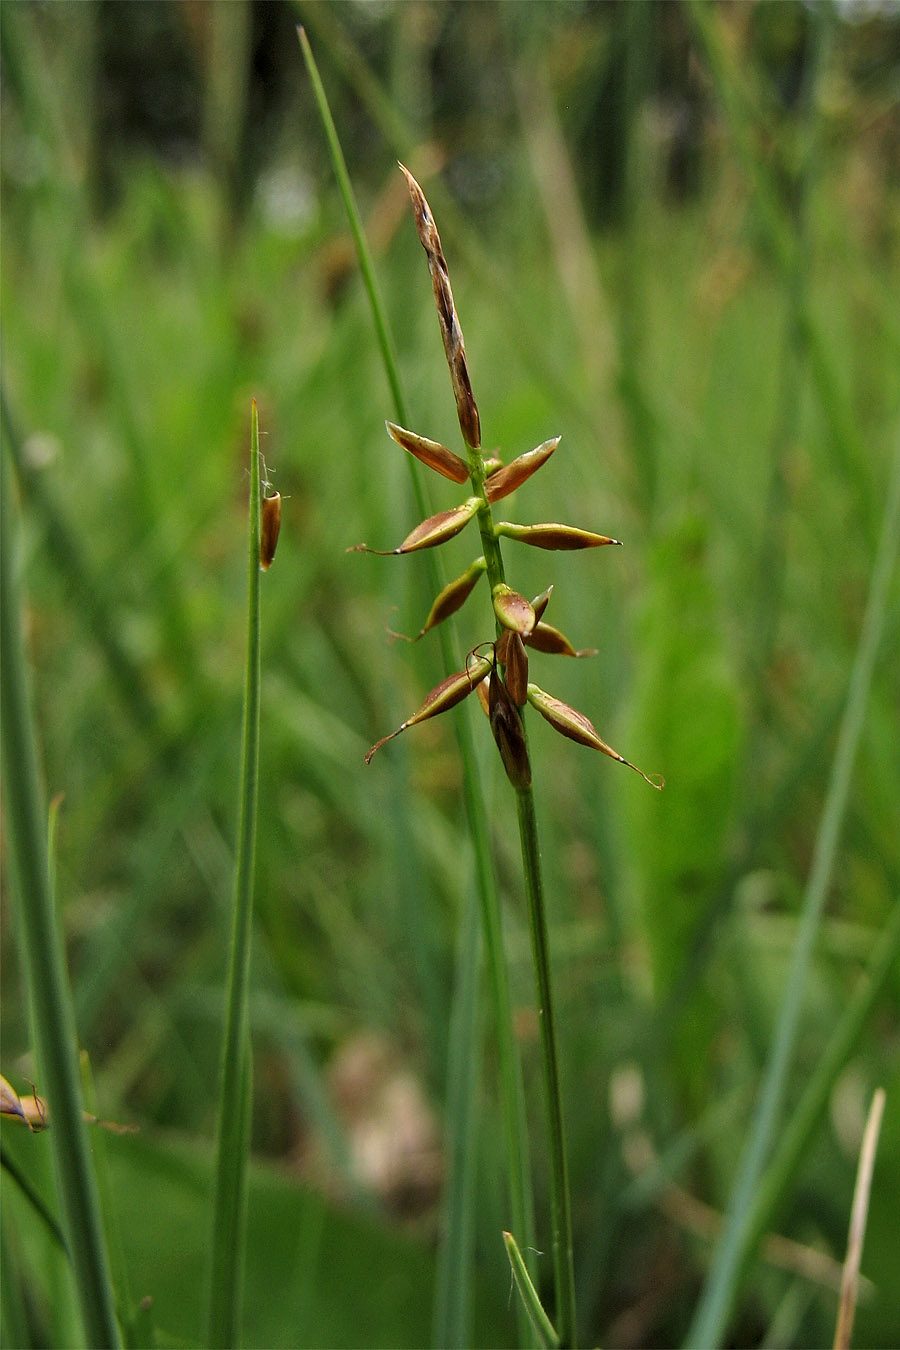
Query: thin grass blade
<point>233,1144</point>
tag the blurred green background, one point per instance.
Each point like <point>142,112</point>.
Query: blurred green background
<point>673,236</point>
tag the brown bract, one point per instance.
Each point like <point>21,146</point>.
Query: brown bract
<point>451,332</point>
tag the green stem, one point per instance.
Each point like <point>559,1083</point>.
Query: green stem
<point>544,1328</point>
<point>560,1203</point>
<point>51,1000</point>
<point>230,1198</point>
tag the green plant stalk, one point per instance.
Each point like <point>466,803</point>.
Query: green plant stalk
<point>515,1132</point>
<point>735,1244</point>
<point>560,1201</point>
<point>233,1144</point>
<point>51,1000</point>
<point>544,1328</point>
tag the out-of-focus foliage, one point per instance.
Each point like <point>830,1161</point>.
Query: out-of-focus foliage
<point>689,274</point>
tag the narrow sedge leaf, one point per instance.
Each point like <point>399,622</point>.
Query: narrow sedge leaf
<point>270,525</point>
<point>453,596</point>
<point>545,638</point>
<point>512,609</point>
<point>544,1328</point>
<point>553,536</point>
<point>444,696</point>
<point>509,734</point>
<point>451,332</point>
<point>435,530</point>
<point>507,479</point>
<point>432,453</point>
<point>569,722</point>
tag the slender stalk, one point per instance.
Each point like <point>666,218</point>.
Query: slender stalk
<point>51,1000</point>
<point>735,1245</point>
<point>544,1328</point>
<point>512,1098</point>
<point>560,1202</point>
<point>230,1196</point>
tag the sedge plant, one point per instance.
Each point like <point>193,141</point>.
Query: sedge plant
<point>498,672</point>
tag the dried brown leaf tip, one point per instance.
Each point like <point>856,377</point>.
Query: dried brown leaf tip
<point>570,722</point>
<point>451,332</point>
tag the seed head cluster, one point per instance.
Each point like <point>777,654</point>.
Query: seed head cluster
<point>500,677</point>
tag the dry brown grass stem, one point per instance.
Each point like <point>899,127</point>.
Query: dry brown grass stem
<point>782,1252</point>
<point>859,1213</point>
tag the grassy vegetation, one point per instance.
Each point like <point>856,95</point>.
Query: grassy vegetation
<point>721,363</point>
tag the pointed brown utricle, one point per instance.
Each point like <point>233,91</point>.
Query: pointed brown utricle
<point>432,453</point>
<point>431,532</point>
<point>509,734</point>
<point>512,609</point>
<point>443,696</point>
<point>572,723</point>
<point>269,527</point>
<point>553,536</point>
<point>516,673</point>
<point>545,638</point>
<point>453,596</point>
<point>511,476</point>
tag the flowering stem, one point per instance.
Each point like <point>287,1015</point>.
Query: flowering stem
<point>521,1206</point>
<point>560,1202</point>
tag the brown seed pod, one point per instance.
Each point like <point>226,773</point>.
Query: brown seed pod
<point>570,722</point>
<point>509,734</point>
<point>545,638</point>
<point>443,696</point>
<point>431,453</point>
<point>512,609</point>
<point>516,673</point>
<point>431,532</point>
<point>269,527</point>
<point>511,476</point>
<point>553,536</point>
<point>453,596</point>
